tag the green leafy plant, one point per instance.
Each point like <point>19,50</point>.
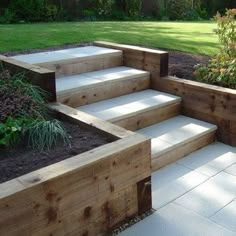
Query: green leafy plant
<point>44,134</point>
<point>11,130</point>
<point>226,31</point>
<point>221,69</point>
<point>23,114</point>
<point>20,98</point>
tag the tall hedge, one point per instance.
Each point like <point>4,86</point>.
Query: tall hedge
<point>34,10</point>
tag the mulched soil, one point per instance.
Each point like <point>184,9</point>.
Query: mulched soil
<point>20,160</point>
<point>180,64</point>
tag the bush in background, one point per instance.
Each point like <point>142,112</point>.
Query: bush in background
<point>68,10</point>
<point>226,31</point>
<point>133,8</point>
<point>29,11</point>
<point>221,69</point>
<point>177,8</point>
<point>104,7</point>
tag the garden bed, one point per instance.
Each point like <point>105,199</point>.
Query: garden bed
<point>19,160</point>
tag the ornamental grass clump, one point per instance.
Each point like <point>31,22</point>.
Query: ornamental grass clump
<point>24,116</point>
<point>221,69</point>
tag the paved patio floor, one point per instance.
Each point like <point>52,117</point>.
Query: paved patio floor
<point>196,196</point>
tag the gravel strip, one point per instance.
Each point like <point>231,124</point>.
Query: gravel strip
<point>131,222</point>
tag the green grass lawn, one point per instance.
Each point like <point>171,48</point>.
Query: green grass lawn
<point>197,37</point>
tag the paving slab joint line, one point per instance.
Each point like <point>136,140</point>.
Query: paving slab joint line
<point>224,170</point>
<point>180,164</point>
<point>173,201</point>
<point>205,217</point>
<point>220,210</point>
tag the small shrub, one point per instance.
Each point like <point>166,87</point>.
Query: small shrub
<point>19,98</point>
<point>10,131</point>
<point>221,69</point>
<point>44,134</point>
<point>226,31</point>
<point>23,114</point>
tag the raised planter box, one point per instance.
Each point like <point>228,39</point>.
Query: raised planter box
<point>209,103</point>
<point>88,194</point>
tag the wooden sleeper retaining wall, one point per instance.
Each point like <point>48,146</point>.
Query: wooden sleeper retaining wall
<point>88,194</point>
<point>205,102</point>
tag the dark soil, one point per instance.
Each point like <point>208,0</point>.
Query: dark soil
<point>180,64</point>
<point>20,160</point>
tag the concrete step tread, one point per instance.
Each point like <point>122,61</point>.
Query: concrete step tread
<point>93,78</point>
<point>129,105</point>
<point>66,54</point>
<point>174,132</point>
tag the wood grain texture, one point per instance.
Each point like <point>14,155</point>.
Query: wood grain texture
<point>73,115</point>
<point>91,192</point>
<point>154,61</point>
<point>83,65</point>
<point>209,103</point>
<point>147,118</point>
<point>101,91</point>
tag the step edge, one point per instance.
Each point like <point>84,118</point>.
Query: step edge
<point>80,59</point>
<point>101,84</point>
<point>195,137</point>
<point>177,101</point>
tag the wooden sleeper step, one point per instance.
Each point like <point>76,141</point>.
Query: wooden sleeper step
<point>75,60</point>
<point>86,88</point>
<point>137,110</point>
<point>177,137</point>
